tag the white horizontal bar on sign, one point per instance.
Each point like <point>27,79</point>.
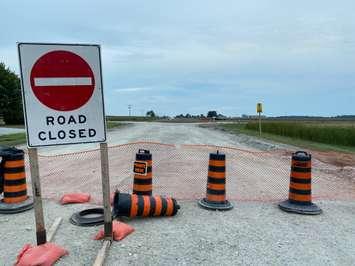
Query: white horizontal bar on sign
<point>80,81</point>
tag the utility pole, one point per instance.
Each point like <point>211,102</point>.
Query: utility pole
<point>129,109</point>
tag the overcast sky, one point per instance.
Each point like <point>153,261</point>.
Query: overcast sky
<point>297,57</point>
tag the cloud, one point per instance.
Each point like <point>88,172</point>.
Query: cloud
<point>136,89</point>
<point>190,56</point>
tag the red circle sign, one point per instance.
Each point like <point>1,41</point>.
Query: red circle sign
<point>62,80</point>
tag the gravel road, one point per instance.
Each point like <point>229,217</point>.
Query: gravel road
<point>170,133</point>
<point>253,233</point>
<point>8,130</point>
<point>250,234</point>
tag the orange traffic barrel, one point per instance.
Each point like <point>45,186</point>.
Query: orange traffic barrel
<point>143,206</point>
<point>300,190</point>
<point>142,182</point>
<point>216,184</point>
<point>15,198</point>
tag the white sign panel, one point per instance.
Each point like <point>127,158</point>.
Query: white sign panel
<point>62,93</point>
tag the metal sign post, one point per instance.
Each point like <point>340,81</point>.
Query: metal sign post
<point>37,197</point>
<point>259,110</point>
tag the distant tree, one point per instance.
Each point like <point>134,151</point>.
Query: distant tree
<point>150,113</point>
<point>10,96</point>
<point>212,114</point>
<point>187,115</point>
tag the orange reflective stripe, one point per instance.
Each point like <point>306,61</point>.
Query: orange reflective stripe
<point>15,188</point>
<point>216,186</point>
<point>13,164</point>
<point>301,175</point>
<point>158,206</point>
<point>301,186</point>
<point>217,174</point>
<point>217,163</point>
<point>298,197</point>
<point>14,176</point>
<point>142,187</point>
<point>134,206</point>
<point>216,197</point>
<point>170,207</point>
<point>146,209</point>
<point>15,199</point>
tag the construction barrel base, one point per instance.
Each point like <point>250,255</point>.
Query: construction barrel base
<point>222,206</point>
<point>310,209</point>
<point>10,208</point>
<point>88,217</point>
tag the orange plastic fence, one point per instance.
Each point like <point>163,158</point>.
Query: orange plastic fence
<point>180,171</point>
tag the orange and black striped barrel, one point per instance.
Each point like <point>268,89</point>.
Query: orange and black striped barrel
<point>216,182</point>
<point>143,206</point>
<point>142,182</point>
<point>300,191</point>
<point>14,176</point>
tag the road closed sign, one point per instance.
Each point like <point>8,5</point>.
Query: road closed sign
<point>62,93</point>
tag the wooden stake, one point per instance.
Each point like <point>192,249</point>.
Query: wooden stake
<point>53,229</point>
<point>100,259</point>
<point>106,191</point>
<point>37,197</point>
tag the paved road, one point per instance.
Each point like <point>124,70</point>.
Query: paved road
<point>7,130</point>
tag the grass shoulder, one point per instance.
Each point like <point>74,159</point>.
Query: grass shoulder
<point>12,139</point>
<point>114,125</point>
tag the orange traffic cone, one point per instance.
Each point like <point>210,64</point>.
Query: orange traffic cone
<point>15,198</point>
<point>300,192</point>
<point>142,182</point>
<point>143,206</point>
<point>216,184</point>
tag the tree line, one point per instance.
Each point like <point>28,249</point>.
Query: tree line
<point>10,96</point>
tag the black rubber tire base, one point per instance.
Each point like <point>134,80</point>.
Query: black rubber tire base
<point>215,206</point>
<point>79,218</point>
<point>6,208</point>
<point>311,209</point>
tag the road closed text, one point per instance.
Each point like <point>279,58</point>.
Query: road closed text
<point>73,127</point>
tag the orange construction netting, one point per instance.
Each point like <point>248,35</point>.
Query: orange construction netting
<point>180,171</point>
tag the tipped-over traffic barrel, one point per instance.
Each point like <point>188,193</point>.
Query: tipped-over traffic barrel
<point>143,206</point>
<point>15,198</point>
<point>216,184</point>
<point>142,182</point>
<point>300,190</point>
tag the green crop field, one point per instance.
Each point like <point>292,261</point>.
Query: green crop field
<point>337,134</point>
<point>321,135</point>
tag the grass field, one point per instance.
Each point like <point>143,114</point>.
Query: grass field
<point>12,139</point>
<point>20,138</point>
<point>323,136</point>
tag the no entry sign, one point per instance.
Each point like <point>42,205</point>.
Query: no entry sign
<point>63,94</point>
